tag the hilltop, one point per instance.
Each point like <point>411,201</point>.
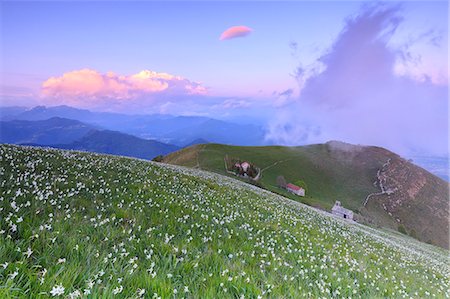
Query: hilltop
<point>78,223</point>
<point>414,201</point>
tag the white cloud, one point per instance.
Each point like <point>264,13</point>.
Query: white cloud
<point>358,97</point>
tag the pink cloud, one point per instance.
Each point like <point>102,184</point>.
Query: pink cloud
<point>91,84</point>
<point>235,31</point>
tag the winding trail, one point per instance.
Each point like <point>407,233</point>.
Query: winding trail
<point>274,164</point>
<point>197,155</point>
<point>380,183</point>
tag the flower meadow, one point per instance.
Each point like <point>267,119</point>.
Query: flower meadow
<point>80,225</point>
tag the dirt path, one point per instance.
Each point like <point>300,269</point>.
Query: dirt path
<point>274,164</point>
<point>380,183</point>
<point>198,154</point>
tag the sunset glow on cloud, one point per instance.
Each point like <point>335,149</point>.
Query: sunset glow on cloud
<point>307,71</point>
<point>87,83</point>
<point>235,31</point>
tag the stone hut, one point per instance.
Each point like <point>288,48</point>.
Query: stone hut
<point>340,211</point>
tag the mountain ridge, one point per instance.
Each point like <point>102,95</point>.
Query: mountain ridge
<point>65,133</point>
<point>118,143</point>
<point>178,130</point>
<point>349,173</point>
<point>45,132</point>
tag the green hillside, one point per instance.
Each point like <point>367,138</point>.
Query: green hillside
<point>76,223</point>
<point>325,176</point>
<point>344,172</point>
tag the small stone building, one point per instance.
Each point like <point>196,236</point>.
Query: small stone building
<point>340,211</point>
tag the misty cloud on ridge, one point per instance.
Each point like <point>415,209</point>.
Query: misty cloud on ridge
<point>359,98</point>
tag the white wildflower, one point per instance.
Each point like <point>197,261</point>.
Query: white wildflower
<point>13,275</point>
<point>140,292</point>
<point>75,294</point>
<point>29,252</point>
<point>118,290</point>
<point>57,290</point>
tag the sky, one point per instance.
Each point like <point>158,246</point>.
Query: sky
<point>362,72</point>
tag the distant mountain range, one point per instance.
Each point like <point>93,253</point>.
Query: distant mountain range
<point>178,130</point>
<point>64,133</point>
<point>117,143</point>
<point>381,187</point>
<point>70,124</point>
<point>55,130</point>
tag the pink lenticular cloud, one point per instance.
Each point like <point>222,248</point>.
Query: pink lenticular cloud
<point>87,83</point>
<point>235,31</point>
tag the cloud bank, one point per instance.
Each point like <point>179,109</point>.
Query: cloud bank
<point>235,31</point>
<point>144,92</point>
<point>91,89</point>
<point>359,97</point>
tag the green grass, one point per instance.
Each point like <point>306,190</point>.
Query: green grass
<point>338,171</point>
<point>116,227</point>
<point>328,179</point>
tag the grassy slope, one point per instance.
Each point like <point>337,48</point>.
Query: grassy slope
<point>327,178</point>
<point>419,206</point>
<point>104,225</point>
